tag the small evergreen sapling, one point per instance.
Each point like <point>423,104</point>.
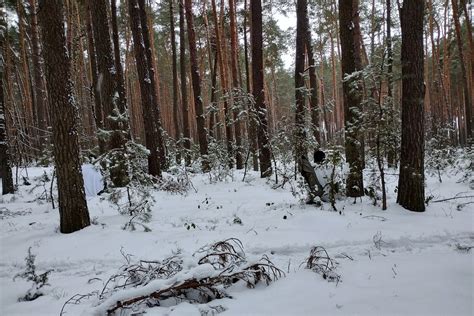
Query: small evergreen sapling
<point>39,281</point>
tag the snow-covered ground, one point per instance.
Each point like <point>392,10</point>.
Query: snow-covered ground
<point>392,262</point>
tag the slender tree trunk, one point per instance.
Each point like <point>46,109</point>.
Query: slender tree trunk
<point>25,71</point>
<point>391,153</point>
<point>213,113</point>
<point>258,91</point>
<point>97,106</point>
<point>351,61</point>
<point>224,87</point>
<point>39,88</point>
<point>465,85</point>
<point>313,84</point>
<point>184,87</point>
<point>471,48</point>
<point>122,98</point>
<point>107,87</point>
<point>252,122</point>
<point>151,70</point>
<point>5,163</point>
<point>146,90</point>
<point>73,210</point>
<point>235,84</point>
<point>300,113</point>
<point>411,189</point>
<point>196,81</point>
<point>177,132</point>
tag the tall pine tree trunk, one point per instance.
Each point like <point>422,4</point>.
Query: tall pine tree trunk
<point>97,106</point>
<point>39,90</point>
<point>411,189</point>
<point>300,112</point>
<point>73,210</point>
<point>146,90</point>
<point>5,163</point>
<point>258,90</point>
<point>174,56</point>
<point>252,122</point>
<point>154,92</point>
<point>196,81</point>
<point>352,61</point>
<point>313,84</point>
<point>223,81</point>
<point>235,84</point>
<point>122,98</point>
<point>184,86</point>
<point>107,84</point>
<point>465,85</point>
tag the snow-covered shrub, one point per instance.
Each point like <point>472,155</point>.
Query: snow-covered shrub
<point>320,262</point>
<point>39,280</point>
<point>218,158</point>
<point>334,162</point>
<point>135,199</point>
<point>465,163</point>
<point>439,153</point>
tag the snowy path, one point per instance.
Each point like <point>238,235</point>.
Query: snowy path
<point>412,268</point>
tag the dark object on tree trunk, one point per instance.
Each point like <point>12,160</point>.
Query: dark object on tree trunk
<point>307,171</point>
<point>411,183</point>
<point>319,156</point>
<point>73,211</point>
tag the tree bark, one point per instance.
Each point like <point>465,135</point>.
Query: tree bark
<point>5,163</point>
<point>235,84</point>
<point>39,90</point>
<point>177,132</point>
<point>184,92</point>
<point>252,123</point>
<point>196,81</point>
<point>25,71</point>
<point>300,112</point>
<point>223,81</point>
<point>107,87</point>
<point>351,62</point>
<point>411,189</point>
<point>146,90</point>
<point>97,106</point>
<point>258,91</point>
<point>73,210</point>
<point>313,84</point>
<point>154,92</point>
<point>122,98</point>
<point>465,85</point>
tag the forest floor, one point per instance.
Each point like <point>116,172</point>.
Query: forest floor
<point>392,262</point>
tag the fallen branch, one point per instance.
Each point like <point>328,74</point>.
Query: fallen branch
<point>453,198</point>
<point>149,282</point>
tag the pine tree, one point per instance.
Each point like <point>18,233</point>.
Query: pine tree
<point>351,62</point>
<point>107,88</point>
<point>256,39</point>
<point>184,92</point>
<point>146,90</point>
<point>5,168</point>
<point>300,111</point>
<point>196,81</point>
<point>73,210</point>
<point>411,183</point>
